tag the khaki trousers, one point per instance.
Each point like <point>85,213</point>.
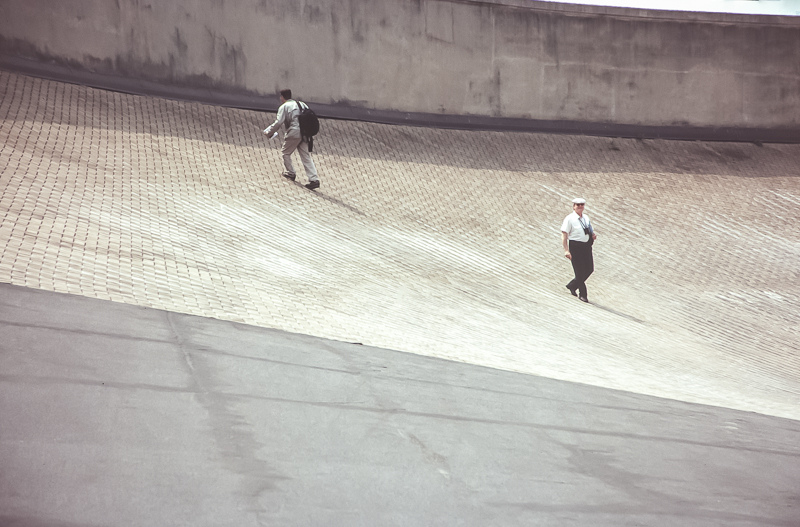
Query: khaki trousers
<point>290,144</point>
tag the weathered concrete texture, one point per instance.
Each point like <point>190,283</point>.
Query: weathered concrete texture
<point>437,242</point>
<point>492,59</point>
<point>123,415</point>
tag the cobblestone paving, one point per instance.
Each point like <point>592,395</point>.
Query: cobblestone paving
<point>438,242</point>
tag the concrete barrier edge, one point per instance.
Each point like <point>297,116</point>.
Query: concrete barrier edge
<point>249,101</point>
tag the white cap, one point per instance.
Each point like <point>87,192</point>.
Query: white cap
<point>578,201</point>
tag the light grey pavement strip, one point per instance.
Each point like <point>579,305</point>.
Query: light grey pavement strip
<point>118,415</point>
<point>437,242</point>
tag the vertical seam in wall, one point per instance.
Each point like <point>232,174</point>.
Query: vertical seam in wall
<point>494,36</point>
<point>742,115</point>
<point>540,53</point>
<point>614,99</point>
<point>493,63</point>
<point>614,83</point>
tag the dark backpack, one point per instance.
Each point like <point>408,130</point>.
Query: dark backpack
<point>309,124</point>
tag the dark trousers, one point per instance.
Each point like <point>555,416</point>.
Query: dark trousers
<point>582,264</point>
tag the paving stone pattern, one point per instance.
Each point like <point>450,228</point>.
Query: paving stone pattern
<point>437,242</point>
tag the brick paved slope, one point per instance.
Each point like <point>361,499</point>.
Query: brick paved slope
<point>437,242</point>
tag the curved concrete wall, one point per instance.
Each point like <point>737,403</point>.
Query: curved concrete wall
<point>505,59</point>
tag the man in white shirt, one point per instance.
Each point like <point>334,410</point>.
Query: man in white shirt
<point>577,237</point>
<point>292,140</point>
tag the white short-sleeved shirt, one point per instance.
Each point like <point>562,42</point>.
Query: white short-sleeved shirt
<point>573,227</point>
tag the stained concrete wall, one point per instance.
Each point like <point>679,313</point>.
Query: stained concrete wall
<point>511,59</point>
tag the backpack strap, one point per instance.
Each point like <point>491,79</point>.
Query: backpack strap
<point>310,140</point>
<point>289,115</point>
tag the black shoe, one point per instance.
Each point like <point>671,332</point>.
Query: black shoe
<point>287,175</point>
<point>572,291</point>
<point>583,299</point>
<point>312,185</point>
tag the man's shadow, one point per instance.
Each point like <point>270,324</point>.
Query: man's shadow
<point>330,199</point>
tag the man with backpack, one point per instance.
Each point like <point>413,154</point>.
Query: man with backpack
<point>289,115</point>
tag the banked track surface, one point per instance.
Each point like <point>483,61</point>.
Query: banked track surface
<point>437,242</point>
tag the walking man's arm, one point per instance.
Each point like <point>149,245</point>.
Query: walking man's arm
<point>273,128</point>
<point>565,243</point>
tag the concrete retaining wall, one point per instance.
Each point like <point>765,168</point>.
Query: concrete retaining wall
<point>460,60</point>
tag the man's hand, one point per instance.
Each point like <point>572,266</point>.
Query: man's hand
<point>265,131</point>
<point>565,245</point>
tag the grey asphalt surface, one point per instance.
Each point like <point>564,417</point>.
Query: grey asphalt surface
<point>114,414</point>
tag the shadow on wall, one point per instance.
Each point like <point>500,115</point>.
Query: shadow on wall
<point>414,145</point>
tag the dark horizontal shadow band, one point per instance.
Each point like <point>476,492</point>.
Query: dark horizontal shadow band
<point>229,97</point>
